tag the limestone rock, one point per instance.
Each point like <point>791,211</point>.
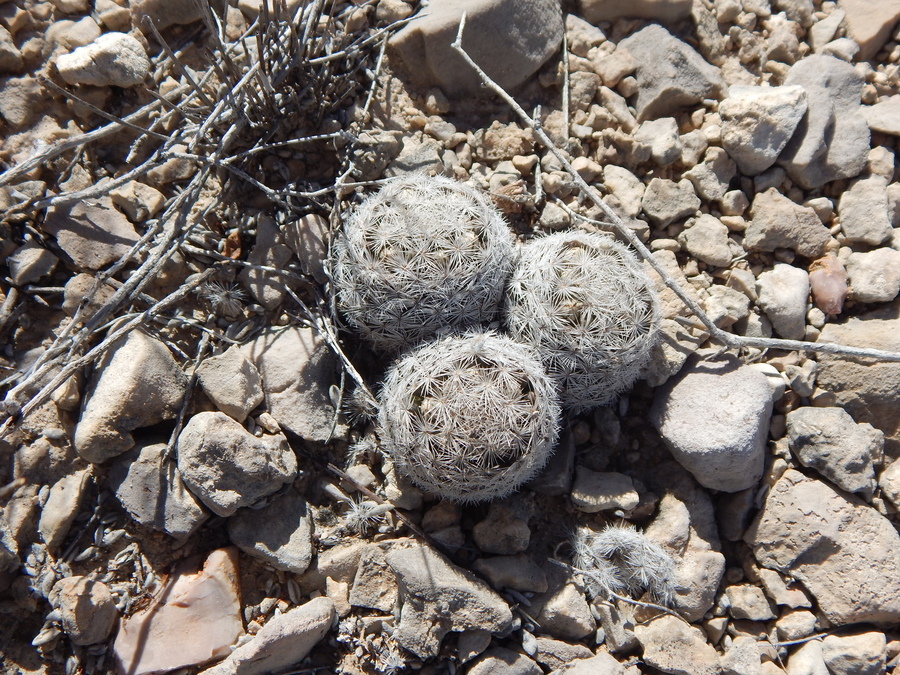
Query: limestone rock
<point>706,238</point>
<point>163,13</point>
<point>603,663</point>
<point>673,646</point>
<point>874,276</point>
<point>115,59</point>
<point>625,189</point>
<point>662,137</point>
<point>93,234</point>
<point>783,293</point>
<point>61,508</point>
<point>670,74</point>
<point>283,641</point>
<point>832,140</point>
<point>870,22</point>
<point>269,250</point>
<point>227,467</point>
<point>232,383</point>
<point>863,209</point>
<point>519,572</point>
<point>155,639</point>
<point>533,30</point>
<point>438,598</point>
<point>665,201</point>
<point>136,383</point>
<point>297,369</point>
<point>665,11</point>
<point>152,491</point>
<point>843,551</point>
<point>29,263</point>
<point>711,177</point>
<point>748,602</point>
<point>829,441</point>
<point>308,238</point>
<point>10,56</point>
<point>780,223</point>
<point>861,654</point>
<point>595,491</point>
<point>715,418</point>
<point>758,122</point>
<point>138,200</point>
<point>884,117</point>
<point>556,653</point>
<point>279,534</point>
<point>562,611</point>
<point>500,661</point>
<point>87,608</point>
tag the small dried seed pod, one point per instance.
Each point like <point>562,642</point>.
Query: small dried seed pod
<point>584,302</point>
<point>421,256</point>
<point>469,418</point>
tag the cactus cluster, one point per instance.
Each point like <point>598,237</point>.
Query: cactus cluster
<point>624,561</point>
<point>422,256</point>
<point>469,417</point>
<point>587,306</point>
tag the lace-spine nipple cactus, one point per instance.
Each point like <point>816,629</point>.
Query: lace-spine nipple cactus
<point>422,256</point>
<point>624,561</point>
<point>584,302</point>
<point>470,417</point>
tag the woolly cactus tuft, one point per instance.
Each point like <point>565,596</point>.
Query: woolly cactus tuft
<point>622,560</point>
<point>421,256</point>
<point>469,417</point>
<point>584,302</point>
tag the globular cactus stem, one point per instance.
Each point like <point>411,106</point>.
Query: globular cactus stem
<point>422,256</point>
<point>470,417</point>
<point>587,306</point>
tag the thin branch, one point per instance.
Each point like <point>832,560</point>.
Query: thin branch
<point>716,333</point>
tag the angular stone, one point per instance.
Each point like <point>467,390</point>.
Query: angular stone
<point>87,607</point>
<point>670,74</point>
<point>232,383</point>
<point>505,529</point>
<point>152,491</point>
<point>163,13</point>
<point>662,137</point>
<point>308,238</point>
<point>518,572</point>
<point>712,177</point>
<point>863,209</point>
<point>832,140</point>
<point>603,663</point>
<point>500,661</point>
<point>269,250</point>
<point>29,263</point>
<point>874,276</point>
<point>748,602</point>
<point>533,30</point>
<point>861,654</point>
<point>884,117</point>
<point>778,222</point>
<point>595,491</point>
<point>136,383</point>
<point>556,653</point>
<point>283,641</point>
<point>297,369</point>
<point>92,234</point>
<point>715,418</point>
<point>665,11</point>
<point>870,22</point>
<point>375,585</point>
<point>665,201</point>
<point>829,441</point>
<point>113,59</point>
<point>673,646</point>
<point>279,534</point>
<point>625,188</point>
<point>10,57</point>
<point>61,508</point>
<point>227,467</point>
<point>706,238</point>
<point>783,293</point>
<point>843,551</point>
<point>438,598</point>
<point>758,122</point>
<point>138,200</point>
<point>156,639</point>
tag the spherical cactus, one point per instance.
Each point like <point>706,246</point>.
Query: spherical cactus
<point>421,256</point>
<point>584,302</point>
<point>469,417</point>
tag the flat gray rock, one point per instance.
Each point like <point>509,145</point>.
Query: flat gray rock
<point>279,534</point>
<point>532,31</point>
<point>269,250</point>
<point>757,122</point>
<point>884,117</point>
<point>670,73</point>
<point>227,467</point>
<point>782,294</point>
<point>153,493</point>
<point>232,383</point>
<point>778,222</point>
<point>116,59</point>
<point>863,209</point>
<point>438,598</point>
<point>714,417</point>
<point>136,383</point>
<point>874,276</point>
<point>673,646</point>
<point>832,139</point>
<point>297,370</point>
<point>665,201</point>
<point>500,661</point>
<point>93,234</point>
<point>843,551</point>
<point>88,611</point>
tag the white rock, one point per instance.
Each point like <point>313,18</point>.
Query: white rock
<point>712,176</point>
<point>706,238</point>
<point>778,222</point>
<point>136,384</point>
<point>884,117</point>
<point>861,654</point>
<point>227,467</point>
<point>157,640</point>
<point>863,210</point>
<point>232,383</point>
<point>29,263</point>
<point>747,601</point>
<point>308,238</point>
<point>742,657</point>
<point>115,59</point>
<point>595,491</point>
<point>87,608</point>
<point>662,137</point>
<point>673,646</point>
<point>283,641</point>
<point>715,418</point>
<point>665,201</point>
<point>823,31</point>
<point>874,276</point>
<point>501,661</point>
<point>829,441</point>
<point>783,292</point>
<point>889,482</point>
<point>758,122</point>
<point>807,660</point>
<point>138,200</point>
<point>625,189</point>
<point>61,508</point>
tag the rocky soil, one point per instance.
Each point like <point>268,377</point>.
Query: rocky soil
<point>190,480</point>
